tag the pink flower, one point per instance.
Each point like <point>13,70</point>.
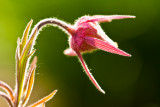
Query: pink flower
<point>87,35</point>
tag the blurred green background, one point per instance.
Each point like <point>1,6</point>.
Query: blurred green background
<point>128,82</point>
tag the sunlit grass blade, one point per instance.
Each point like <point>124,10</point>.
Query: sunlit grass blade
<point>8,99</point>
<point>45,99</point>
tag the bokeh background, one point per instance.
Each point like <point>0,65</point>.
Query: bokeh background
<point>128,82</point>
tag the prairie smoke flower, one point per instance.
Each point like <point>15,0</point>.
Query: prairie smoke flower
<point>85,35</point>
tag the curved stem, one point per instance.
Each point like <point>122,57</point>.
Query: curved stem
<point>50,21</point>
<point>54,22</point>
<point>24,57</point>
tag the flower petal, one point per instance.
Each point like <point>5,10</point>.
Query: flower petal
<point>88,73</point>
<point>103,45</point>
<point>108,18</point>
<point>69,52</point>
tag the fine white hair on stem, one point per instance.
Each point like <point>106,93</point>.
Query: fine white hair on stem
<point>49,21</point>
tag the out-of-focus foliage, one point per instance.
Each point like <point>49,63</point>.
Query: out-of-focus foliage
<point>128,82</point>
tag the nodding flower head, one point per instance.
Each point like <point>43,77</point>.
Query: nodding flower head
<point>87,35</point>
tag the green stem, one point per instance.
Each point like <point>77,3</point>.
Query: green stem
<point>24,57</point>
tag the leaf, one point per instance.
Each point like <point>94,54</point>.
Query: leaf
<point>28,45</point>
<point>32,66</point>
<point>25,36</point>
<point>17,71</point>
<point>8,89</point>
<point>24,61</point>
<point>69,52</point>
<point>30,86</point>
<point>103,45</point>
<point>43,105</point>
<point>45,99</point>
<point>9,101</point>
